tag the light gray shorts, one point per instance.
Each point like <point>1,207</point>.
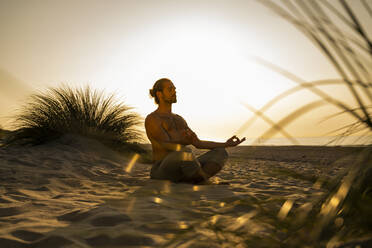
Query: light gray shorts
<point>181,166</point>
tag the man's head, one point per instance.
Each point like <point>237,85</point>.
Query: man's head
<point>164,91</point>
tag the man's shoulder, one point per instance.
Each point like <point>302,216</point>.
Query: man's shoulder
<point>156,116</point>
<point>152,117</point>
<point>179,117</point>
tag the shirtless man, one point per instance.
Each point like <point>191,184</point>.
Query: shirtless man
<point>169,135</point>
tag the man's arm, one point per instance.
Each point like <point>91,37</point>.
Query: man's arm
<point>203,144</point>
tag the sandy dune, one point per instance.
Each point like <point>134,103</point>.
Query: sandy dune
<point>75,192</point>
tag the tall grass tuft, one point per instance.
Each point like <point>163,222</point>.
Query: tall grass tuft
<point>343,216</point>
<point>83,111</point>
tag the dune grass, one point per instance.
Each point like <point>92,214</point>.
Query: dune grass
<point>343,214</point>
<point>49,115</point>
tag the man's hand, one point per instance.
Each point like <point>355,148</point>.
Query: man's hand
<point>234,141</point>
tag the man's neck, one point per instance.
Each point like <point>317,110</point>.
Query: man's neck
<point>164,108</point>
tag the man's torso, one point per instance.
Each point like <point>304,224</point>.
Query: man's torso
<point>173,125</point>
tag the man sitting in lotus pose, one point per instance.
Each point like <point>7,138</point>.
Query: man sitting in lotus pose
<point>169,134</point>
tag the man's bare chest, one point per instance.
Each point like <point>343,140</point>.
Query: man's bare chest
<point>172,123</point>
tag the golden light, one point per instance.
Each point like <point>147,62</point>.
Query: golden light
<point>287,206</point>
<point>187,156</point>
<point>157,200</point>
<point>334,201</point>
<point>182,225</point>
<point>242,220</point>
<point>343,190</point>
<point>178,147</point>
<point>214,219</point>
<point>337,198</point>
<point>131,163</point>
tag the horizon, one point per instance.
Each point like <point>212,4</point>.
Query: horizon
<point>310,141</point>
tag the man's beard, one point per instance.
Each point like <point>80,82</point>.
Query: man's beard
<point>171,100</point>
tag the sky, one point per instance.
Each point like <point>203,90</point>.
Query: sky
<point>205,47</point>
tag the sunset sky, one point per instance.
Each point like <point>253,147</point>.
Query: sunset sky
<point>205,47</point>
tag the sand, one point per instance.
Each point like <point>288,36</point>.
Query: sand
<point>75,192</point>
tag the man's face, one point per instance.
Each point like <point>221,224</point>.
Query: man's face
<point>169,93</point>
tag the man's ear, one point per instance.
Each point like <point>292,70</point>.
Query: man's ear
<point>159,94</point>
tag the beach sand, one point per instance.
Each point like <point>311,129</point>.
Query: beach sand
<point>75,192</point>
